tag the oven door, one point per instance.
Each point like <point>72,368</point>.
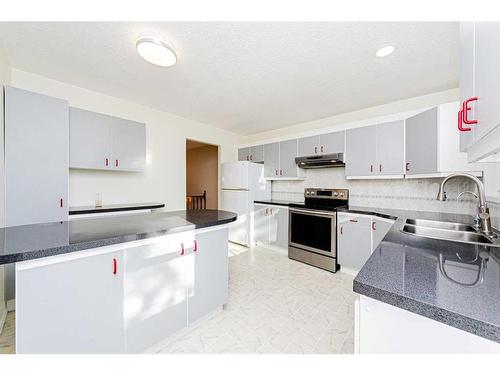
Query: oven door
<point>313,231</point>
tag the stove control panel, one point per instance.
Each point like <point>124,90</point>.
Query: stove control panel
<point>342,194</point>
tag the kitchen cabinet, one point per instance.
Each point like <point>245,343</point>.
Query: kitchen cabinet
<point>125,298</point>
<point>98,141</point>
<point>254,154</point>
<point>361,151</point>
<point>128,145</point>
<point>376,150</point>
<point>467,72</point>
<point>271,225</point>
<point>36,157</point>
<point>271,159</point>
<point>354,236</point>
<point>89,139</point>
<point>380,227</point>
<point>243,154</point>
<point>73,306</point>
<point>330,143</point>
<point>433,144</point>
<point>208,283</point>
<point>153,312</point>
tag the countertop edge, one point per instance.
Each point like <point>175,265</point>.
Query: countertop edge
<point>88,210</point>
<point>470,325</point>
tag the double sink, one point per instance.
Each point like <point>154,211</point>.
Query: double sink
<point>442,230</point>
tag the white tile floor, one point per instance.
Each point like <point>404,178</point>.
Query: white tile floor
<point>276,305</point>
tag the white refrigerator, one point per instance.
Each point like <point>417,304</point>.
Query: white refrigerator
<point>243,182</point>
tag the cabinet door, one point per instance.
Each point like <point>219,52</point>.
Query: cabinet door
<point>380,227</point>
<point>261,224</point>
<point>288,153</point>
<point>354,240</point>
<point>244,154</point>
<point>332,143</point>
<point>89,139</point>
<point>71,306</point>
<point>391,148</point>
<point>487,77</point>
<point>271,159</point>
<point>36,157</point>
<point>309,146</point>
<point>257,154</point>
<point>128,145</point>
<point>360,151</point>
<point>422,143</point>
<point>156,287</point>
<point>467,76</point>
<point>209,289</point>
<point>278,226</point>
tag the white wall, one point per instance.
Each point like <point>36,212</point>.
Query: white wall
<point>4,80</point>
<point>164,179</point>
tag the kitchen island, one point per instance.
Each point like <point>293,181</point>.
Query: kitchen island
<point>119,284</point>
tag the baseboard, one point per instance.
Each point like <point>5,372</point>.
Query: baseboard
<point>11,305</point>
<point>3,317</point>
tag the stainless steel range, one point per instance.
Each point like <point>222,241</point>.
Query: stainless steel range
<point>313,227</point>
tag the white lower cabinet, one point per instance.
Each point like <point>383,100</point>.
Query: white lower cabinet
<point>123,298</point>
<point>71,306</point>
<point>271,225</point>
<point>357,237</point>
<point>385,329</point>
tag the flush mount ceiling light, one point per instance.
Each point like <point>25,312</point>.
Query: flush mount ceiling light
<point>385,51</point>
<point>155,51</point>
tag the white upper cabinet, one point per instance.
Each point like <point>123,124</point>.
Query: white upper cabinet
<point>36,157</point>
<point>99,141</point>
<point>480,78</point>
<point>361,152</point>
<point>279,160</point>
<point>90,139</point>
<point>128,144</point>
<point>390,149</point>
<point>330,143</point>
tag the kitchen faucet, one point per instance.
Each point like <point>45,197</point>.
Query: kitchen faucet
<point>483,211</point>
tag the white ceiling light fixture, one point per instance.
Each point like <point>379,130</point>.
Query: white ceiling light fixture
<point>155,51</point>
<point>385,51</point>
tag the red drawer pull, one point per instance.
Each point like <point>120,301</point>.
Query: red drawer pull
<point>407,167</point>
<point>341,230</point>
<point>195,249</point>
<point>182,249</point>
<point>353,220</point>
<point>373,226</point>
<point>465,110</point>
<point>371,168</point>
<point>460,123</point>
<point>61,202</point>
<point>316,150</point>
<point>115,266</point>
<point>321,148</point>
<point>116,163</point>
<point>107,162</point>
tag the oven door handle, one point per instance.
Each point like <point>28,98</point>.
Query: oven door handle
<point>314,213</point>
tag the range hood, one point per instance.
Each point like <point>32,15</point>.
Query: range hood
<point>321,161</point>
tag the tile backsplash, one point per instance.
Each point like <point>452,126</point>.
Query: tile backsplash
<point>412,194</point>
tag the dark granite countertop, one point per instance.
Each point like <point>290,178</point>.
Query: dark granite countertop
<point>277,202</point>
<point>453,283</point>
<point>34,241</point>
<point>79,210</point>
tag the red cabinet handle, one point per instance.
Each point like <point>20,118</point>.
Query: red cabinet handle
<point>321,148</point>
<point>380,167</point>
<point>116,163</point>
<point>195,248</point>
<point>407,167</point>
<point>251,157</point>
<point>61,202</point>
<point>373,226</point>
<point>465,110</point>
<point>115,266</point>
<point>460,123</point>
<point>341,230</point>
<point>371,168</point>
<point>182,249</point>
<point>353,220</point>
<point>107,162</point>
<point>316,149</point>
<point>271,210</point>
<point>276,172</point>
<point>281,172</point>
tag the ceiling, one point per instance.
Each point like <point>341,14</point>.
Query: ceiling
<point>244,77</point>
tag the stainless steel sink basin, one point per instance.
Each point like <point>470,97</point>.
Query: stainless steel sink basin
<point>446,234</point>
<point>441,225</point>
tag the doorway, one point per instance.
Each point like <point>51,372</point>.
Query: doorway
<point>202,175</point>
